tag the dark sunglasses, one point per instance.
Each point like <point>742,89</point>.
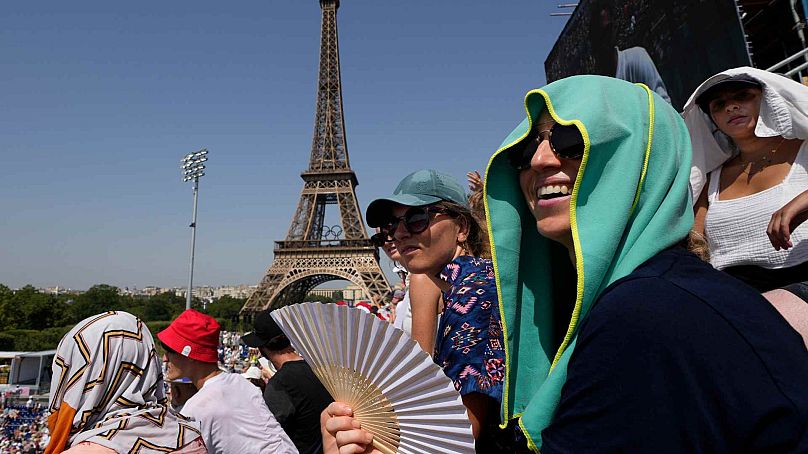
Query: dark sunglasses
<point>380,239</point>
<point>415,220</point>
<point>168,349</point>
<point>566,142</point>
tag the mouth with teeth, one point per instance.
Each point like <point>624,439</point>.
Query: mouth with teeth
<point>553,191</point>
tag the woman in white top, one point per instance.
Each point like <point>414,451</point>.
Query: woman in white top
<point>750,175</point>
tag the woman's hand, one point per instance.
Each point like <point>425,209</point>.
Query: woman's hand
<point>342,434</point>
<point>786,219</point>
<point>475,181</point>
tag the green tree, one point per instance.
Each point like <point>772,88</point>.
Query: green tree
<point>5,292</point>
<point>98,298</point>
<point>225,307</point>
<point>28,308</point>
<point>163,306</point>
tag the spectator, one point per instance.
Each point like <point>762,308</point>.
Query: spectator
<point>233,416</point>
<point>750,174</point>
<point>398,302</point>
<point>107,392</point>
<point>619,339</point>
<point>294,394</point>
<point>436,234</point>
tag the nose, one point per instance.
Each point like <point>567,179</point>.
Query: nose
<point>400,232</point>
<point>732,105</point>
<point>544,158</point>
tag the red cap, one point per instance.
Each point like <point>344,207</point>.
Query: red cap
<point>193,334</point>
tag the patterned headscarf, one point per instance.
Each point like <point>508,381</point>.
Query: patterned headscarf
<point>107,388</point>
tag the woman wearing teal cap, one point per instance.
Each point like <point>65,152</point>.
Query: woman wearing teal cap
<point>617,338</point>
<point>436,235</point>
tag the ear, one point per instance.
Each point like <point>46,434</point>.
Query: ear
<point>463,232</point>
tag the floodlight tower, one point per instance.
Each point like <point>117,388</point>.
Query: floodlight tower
<point>193,168</point>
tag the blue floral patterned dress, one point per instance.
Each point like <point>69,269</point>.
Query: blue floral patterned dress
<point>469,345</point>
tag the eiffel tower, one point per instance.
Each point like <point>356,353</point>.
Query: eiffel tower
<point>314,253</point>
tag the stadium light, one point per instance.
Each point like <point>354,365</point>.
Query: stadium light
<point>193,168</point>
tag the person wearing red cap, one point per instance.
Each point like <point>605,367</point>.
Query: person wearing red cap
<point>231,410</point>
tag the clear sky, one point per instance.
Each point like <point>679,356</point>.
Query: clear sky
<point>100,100</point>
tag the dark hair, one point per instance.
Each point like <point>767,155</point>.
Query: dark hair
<point>476,242</point>
<point>277,343</point>
<point>729,85</point>
<point>259,383</point>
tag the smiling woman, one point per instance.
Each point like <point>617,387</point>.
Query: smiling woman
<point>617,338</point>
<point>549,176</point>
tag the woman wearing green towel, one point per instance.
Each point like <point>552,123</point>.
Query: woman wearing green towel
<point>617,338</point>
<point>643,347</point>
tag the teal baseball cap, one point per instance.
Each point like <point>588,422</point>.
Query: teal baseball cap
<point>420,188</point>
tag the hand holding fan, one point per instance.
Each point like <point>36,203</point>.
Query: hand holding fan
<point>395,390</point>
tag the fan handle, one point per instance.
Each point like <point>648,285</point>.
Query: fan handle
<point>384,449</point>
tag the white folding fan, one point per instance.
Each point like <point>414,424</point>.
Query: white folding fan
<point>395,390</point>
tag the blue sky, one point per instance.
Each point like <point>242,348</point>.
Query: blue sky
<point>100,101</point>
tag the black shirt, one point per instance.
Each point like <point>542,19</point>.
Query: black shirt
<point>678,357</point>
<point>296,398</point>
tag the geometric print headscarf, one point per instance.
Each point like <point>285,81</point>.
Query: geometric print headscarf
<point>107,388</point>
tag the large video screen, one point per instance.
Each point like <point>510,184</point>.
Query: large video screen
<point>670,45</point>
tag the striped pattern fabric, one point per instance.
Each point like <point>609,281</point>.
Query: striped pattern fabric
<point>107,388</point>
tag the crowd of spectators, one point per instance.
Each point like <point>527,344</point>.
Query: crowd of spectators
<point>23,428</point>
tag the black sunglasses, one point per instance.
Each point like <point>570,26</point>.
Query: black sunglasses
<point>416,220</point>
<point>168,349</point>
<point>566,142</point>
<point>380,239</point>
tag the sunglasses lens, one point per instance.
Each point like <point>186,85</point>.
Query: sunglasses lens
<point>378,239</point>
<point>567,141</point>
<point>520,156</point>
<point>416,220</point>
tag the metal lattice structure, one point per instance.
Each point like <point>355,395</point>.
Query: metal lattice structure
<point>314,253</point>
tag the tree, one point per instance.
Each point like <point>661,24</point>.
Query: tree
<point>5,292</point>
<point>99,298</point>
<point>163,306</point>
<point>28,308</point>
<point>225,307</point>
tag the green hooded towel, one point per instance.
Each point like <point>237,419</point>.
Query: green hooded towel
<point>630,202</point>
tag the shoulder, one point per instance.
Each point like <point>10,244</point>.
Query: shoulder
<point>226,387</point>
<point>289,372</point>
<point>195,447</point>
<point>677,303</point>
<point>464,266</point>
<point>674,293</point>
<point>87,447</point>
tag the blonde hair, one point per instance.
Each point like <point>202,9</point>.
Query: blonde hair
<point>697,244</point>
